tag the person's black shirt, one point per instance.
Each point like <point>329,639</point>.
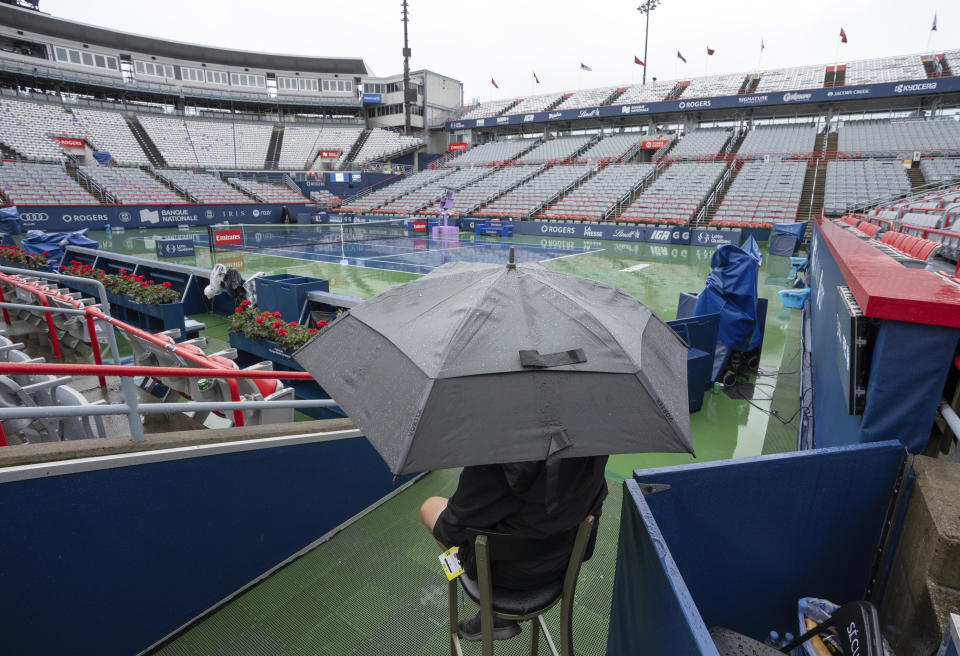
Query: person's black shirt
<point>513,499</point>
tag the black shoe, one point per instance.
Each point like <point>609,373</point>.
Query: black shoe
<point>470,629</point>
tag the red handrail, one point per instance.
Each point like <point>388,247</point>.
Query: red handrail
<point>80,369</point>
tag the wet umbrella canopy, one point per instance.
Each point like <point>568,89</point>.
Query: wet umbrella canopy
<point>477,364</point>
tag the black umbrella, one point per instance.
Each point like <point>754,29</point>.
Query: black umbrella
<point>477,364</point>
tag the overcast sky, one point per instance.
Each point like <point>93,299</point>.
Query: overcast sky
<point>509,40</point>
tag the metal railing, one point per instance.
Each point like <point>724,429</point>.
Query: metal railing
<point>102,313</point>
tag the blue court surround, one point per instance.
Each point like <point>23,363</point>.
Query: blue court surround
<point>414,254</point>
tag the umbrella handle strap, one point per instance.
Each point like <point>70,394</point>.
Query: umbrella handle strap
<point>534,359</point>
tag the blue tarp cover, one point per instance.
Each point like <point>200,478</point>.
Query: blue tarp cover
<point>731,290</point>
<point>798,230</point>
<point>10,220</point>
<point>103,157</point>
<point>38,242</point>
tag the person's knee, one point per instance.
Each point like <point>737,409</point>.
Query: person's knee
<point>430,511</point>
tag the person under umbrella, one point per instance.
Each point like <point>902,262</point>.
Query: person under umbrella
<point>526,377</point>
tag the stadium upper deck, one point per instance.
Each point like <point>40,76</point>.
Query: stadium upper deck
<point>856,84</point>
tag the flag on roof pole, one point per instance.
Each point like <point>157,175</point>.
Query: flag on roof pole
<point>761,45</point>
<point>494,83</point>
<point>938,64</point>
<point>584,67</point>
<point>681,57</point>
<point>934,28</point>
<point>536,78</point>
<point>710,50</point>
<point>843,36</point>
<point>636,60</point>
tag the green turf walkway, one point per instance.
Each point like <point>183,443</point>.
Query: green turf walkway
<point>376,589</point>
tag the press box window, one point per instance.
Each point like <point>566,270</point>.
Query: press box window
<point>92,60</point>
<point>154,70</point>
<point>191,74</point>
<point>244,80</point>
<point>217,77</point>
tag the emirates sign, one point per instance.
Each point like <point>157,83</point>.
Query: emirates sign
<point>457,147</point>
<point>227,238</point>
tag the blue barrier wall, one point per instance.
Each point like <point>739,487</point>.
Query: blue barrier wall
<point>370,181</point>
<point>737,543</point>
<point>110,561</point>
<point>907,369</point>
<point>95,217</point>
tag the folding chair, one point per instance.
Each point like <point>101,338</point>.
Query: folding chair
<point>519,605</point>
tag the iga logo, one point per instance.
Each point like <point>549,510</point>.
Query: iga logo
<point>527,117</point>
<point>659,235</point>
<point>34,217</point>
<point>125,216</point>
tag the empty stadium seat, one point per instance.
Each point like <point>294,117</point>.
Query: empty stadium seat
<point>527,198</point>
<point>595,199</point>
<point>857,183</point>
<point>41,184</point>
<point>763,193</point>
<point>677,195</point>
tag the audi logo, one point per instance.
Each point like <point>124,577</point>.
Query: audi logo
<point>34,216</point>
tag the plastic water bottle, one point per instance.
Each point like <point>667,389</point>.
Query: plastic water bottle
<point>787,639</point>
<point>108,230</point>
<point>773,639</point>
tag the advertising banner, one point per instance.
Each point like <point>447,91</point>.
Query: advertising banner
<point>67,142</point>
<point>372,98</point>
<point>329,154</point>
<point>227,238</point>
<point>175,247</point>
<point>95,217</point>
<point>654,144</point>
<point>457,147</point>
<point>714,237</point>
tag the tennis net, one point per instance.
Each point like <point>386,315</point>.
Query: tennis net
<point>258,237</point>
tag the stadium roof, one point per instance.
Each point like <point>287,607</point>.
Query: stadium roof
<point>75,31</point>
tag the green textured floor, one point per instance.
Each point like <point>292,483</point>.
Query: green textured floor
<point>377,589</point>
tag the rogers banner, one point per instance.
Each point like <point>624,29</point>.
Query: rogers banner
<point>457,147</point>
<point>329,154</point>
<point>227,238</point>
<point>67,142</point>
<point>654,144</point>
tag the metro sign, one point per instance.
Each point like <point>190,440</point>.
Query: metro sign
<point>227,238</point>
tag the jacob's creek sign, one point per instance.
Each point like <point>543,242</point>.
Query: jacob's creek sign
<point>227,238</point>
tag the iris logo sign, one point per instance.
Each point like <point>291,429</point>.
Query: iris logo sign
<point>209,214</point>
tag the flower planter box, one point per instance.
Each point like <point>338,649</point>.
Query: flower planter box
<point>286,293</point>
<point>153,318</point>
<point>251,351</point>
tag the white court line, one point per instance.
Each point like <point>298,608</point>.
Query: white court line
<point>562,257</point>
<point>636,267</point>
